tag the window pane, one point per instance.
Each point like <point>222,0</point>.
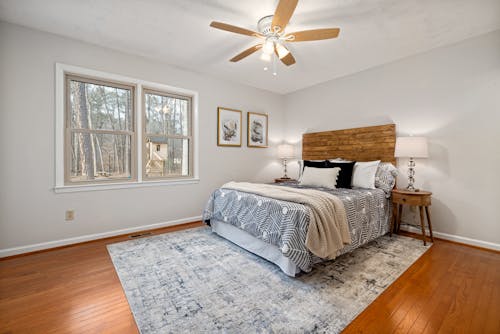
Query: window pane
<point>100,156</point>
<point>166,156</point>
<point>94,106</point>
<point>166,115</point>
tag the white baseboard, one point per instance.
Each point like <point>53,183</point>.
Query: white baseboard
<point>89,237</point>
<point>63,242</point>
<point>452,237</point>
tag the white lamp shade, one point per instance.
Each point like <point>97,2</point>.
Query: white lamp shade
<point>411,147</point>
<point>285,151</point>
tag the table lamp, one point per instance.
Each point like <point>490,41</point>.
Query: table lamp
<point>285,152</point>
<point>411,147</point>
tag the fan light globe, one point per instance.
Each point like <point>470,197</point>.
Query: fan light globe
<point>265,57</point>
<point>268,47</point>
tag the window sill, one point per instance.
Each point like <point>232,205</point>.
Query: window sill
<point>127,185</point>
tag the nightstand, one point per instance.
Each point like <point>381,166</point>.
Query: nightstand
<point>420,199</point>
<point>282,180</point>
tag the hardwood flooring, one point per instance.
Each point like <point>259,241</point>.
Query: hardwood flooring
<point>451,288</point>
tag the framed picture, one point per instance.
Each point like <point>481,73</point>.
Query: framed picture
<point>257,130</point>
<point>228,127</point>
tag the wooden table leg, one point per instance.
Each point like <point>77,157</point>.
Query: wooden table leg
<point>422,223</point>
<point>429,222</point>
<point>392,224</point>
<point>393,218</point>
<point>400,213</point>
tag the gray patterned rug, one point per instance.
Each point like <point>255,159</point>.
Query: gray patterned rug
<point>194,281</point>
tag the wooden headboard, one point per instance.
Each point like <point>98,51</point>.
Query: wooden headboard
<point>360,144</point>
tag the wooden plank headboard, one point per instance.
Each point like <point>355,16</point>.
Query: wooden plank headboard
<point>360,144</point>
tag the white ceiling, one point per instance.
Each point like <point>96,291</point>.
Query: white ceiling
<point>373,32</point>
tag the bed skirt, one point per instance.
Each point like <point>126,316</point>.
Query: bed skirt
<point>247,241</point>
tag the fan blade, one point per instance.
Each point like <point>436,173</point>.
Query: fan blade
<point>288,59</point>
<point>246,53</point>
<point>235,29</point>
<point>283,13</point>
<point>313,35</point>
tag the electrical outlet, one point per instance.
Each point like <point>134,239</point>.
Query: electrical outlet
<point>70,215</point>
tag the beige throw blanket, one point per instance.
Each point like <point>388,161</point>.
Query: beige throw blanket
<point>328,230</point>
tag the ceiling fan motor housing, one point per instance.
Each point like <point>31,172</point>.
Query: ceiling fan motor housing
<point>264,25</point>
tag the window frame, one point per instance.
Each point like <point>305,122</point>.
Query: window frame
<point>60,156</point>
<point>69,130</point>
<point>145,134</point>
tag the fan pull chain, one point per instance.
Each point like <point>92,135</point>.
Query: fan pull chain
<point>275,65</point>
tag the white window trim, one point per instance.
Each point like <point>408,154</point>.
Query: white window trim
<point>60,187</point>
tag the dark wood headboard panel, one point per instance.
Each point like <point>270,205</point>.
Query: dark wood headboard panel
<point>360,144</point>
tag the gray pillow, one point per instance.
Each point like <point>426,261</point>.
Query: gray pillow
<point>385,177</point>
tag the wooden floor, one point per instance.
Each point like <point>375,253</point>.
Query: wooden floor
<point>451,288</point>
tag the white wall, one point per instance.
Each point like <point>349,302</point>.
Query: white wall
<point>30,211</point>
<point>450,95</point>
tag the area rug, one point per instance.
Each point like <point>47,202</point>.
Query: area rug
<point>194,281</point>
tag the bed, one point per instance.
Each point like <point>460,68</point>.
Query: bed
<point>276,229</point>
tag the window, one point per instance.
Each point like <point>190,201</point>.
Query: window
<point>167,126</point>
<point>116,132</point>
<point>100,131</point>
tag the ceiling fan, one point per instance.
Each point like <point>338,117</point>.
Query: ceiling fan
<point>271,32</point>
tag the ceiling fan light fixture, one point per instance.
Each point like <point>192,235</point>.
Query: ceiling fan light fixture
<point>268,47</point>
<point>265,57</point>
<point>272,34</point>
<point>282,51</point>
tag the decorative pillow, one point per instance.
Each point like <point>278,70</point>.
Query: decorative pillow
<point>363,175</point>
<point>310,163</point>
<point>320,177</point>
<point>345,175</point>
<point>316,163</point>
<point>385,178</point>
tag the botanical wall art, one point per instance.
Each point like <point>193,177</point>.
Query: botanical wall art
<point>228,127</point>
<point>257,130</point>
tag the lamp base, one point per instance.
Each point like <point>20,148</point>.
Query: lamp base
<point>284,165</point>
<point>411,175</point>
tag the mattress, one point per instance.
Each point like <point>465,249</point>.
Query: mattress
<point>284,224</point>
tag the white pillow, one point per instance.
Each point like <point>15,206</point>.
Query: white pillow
<point>301,166</point>
<point>320,177</point>
<point>363,174</point>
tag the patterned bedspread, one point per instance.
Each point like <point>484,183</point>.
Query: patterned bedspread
<point>284,224</point>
